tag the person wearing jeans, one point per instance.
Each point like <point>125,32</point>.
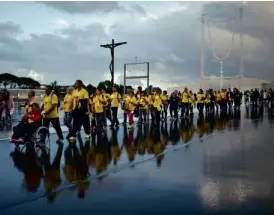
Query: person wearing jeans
<point>164,98</point>
<point>107,111</point>
<point>131,104</point>
<point>67,108</point>
<point>174,101</point>
<point>143,106</point>
<point>98,102</point>
<point>157,106</point>
<point>200,101</point>
<point>124,106</point>
<point>185,103</point>
<point>115,98</point>
<point>80,111</point>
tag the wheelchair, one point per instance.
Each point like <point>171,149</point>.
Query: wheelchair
<point>40,140</point>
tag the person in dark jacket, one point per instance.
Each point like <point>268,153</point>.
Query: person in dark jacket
<point>237,99</point>
<point>174,101</point>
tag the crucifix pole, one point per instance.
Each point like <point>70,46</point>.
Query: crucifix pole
<point>112,46</point>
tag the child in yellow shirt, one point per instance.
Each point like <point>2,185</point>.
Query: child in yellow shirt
<point>143,107</point>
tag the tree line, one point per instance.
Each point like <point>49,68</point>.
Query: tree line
<point>13,81</point>
<point>7,79</point>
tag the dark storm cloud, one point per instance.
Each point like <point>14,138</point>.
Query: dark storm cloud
<point>9,29</point>
<point>75,7</point>
<point>171,43</point>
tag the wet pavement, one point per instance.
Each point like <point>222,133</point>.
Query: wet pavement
<point>210,165</point>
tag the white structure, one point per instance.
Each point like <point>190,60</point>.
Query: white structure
<point>206,20</point>
<point>23,93</point>
<point>242,83</point>
<point>193,88</point>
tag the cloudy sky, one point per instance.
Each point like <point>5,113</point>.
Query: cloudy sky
<point>61,40</point>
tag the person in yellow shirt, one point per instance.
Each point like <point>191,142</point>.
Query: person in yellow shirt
<point>191,101</point>
<point>115,98</point>
<point>92,112</point>
<point>200,101</point>
<point>150,105</point>
<point>131,104</point>
<point>31,100</point>
<point>143,107</point>
<point>123,105</point>
<point>80,111</point>
<point>67,108</point>
<point>185,103</point>
<point>164,98</point>
<point>207,101</point>
<point>157,106</point>
<point>107,106</point>
<point>99,100</point>
<point>50,112</point>
<point>218,100</point>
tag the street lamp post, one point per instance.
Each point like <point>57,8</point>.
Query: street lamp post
<point>112,46</point>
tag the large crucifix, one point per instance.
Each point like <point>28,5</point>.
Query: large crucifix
<point>112,46</point>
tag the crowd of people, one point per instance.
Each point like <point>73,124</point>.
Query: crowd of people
<point>102,152</point>
<point>93,110</point>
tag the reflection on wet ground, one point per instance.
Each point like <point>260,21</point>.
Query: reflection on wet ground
<point>225,168</point>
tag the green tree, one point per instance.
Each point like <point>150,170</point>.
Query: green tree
<point>7,78</point>
<point>27,82</point>
<point>56,88</point>
<point>90,88</point>
<point>149,89</point>
<point>106,85</point>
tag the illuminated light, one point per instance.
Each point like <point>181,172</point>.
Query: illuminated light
<point>210,194</point>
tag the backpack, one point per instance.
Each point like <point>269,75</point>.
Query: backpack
<point>58,104</point>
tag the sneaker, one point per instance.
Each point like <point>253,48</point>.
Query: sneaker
<point>72,138</point>
<point>87,136</point>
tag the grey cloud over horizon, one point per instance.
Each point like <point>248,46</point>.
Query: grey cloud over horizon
<point>75,7</point>
<point>171,43</point>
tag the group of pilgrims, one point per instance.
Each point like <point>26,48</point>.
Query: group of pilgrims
<point>93,110</point>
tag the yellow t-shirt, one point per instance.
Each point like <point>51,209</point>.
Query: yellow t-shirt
<point>28,107</point>
<point>157,102</point>
<point>68,103</point>
<point>131,106</point>
<point>106,97</point>
<point>185,97</point>
<point>98,106</point>
<point>200,97</point>
<point>143,102</point>
<point>218,97</point>
<point>223,95</point>
<point>115,97</point>
<point>164,98</point>
<point>191,100</point>
<point>48,101</point>
<point>79,94</point>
